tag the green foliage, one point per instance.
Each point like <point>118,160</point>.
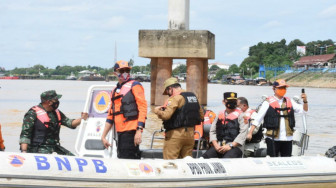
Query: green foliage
<point>234,69</point>
<point>331,50</point>
<point>141,69</point>
<point>180,69</point>
<point>278,54</point>
<point>214,68</point>
<point>220,73</point>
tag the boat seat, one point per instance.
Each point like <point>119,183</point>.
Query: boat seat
<point>261,152</point>
<point>94,144</point>
<point>152,154</point>
<point>158,153</point>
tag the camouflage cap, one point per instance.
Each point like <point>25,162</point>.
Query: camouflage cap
<point>49,95</point>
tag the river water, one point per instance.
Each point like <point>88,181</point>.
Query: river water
<point>17,96</point>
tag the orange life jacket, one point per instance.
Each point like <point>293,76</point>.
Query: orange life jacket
<point>126,112</point>
<point>227,127</point>
<point>209,116</point>
<point>248,113</point>
<point>273,114</point>
<point>41,125</point>
<point>42,115</point>
<point>2,146</point>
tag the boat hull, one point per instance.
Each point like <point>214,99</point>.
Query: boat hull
<point>35,170</point>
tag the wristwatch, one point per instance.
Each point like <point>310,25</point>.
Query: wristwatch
<point>231,146</point>
<point>139,128</point>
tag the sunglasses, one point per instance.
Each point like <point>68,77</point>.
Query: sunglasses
<point>123,70</point>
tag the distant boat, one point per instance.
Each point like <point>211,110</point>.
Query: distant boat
<point>141,77</point>
<point>10,77</point>
<point>87,75</point>
<point>92,78</point>
<point>71,77</point>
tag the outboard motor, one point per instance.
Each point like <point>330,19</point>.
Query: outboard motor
<point>331,152</point>
<point>204,142</point>
<point>206,130</point>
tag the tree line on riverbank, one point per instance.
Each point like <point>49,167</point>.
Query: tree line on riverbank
<point>269,54</point>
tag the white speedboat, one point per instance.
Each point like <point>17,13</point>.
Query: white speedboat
<point>94,166</point>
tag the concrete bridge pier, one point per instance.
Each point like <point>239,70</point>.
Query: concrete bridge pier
<point>162,46</point>
<point>197,78</point>
<point>161,69</point>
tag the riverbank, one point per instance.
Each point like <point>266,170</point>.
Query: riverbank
<point>310,79</point>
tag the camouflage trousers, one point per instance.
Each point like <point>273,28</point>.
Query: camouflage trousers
<point>48,149</point>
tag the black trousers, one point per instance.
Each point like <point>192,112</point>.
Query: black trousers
<point>232,153</point>
<point>126,148</point>
<point>279,148</point>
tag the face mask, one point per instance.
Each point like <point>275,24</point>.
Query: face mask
<point>231,105</point>
<point>125,75</point>
<point>280,92</point>
<point>55,105</point>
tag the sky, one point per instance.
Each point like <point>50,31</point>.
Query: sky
<point>86,32</point>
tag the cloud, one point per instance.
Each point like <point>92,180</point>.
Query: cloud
<point>88,37</point>
<point>272,24</point>
<point>50,6</point>
<point>73,8</point>
<point>329,12</point>
<point>114,22</point>
<point>245,48</point>
<point>231,53</point>
<point>29,45</point>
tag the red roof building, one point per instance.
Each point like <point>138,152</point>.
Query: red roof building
<point>317,61</point>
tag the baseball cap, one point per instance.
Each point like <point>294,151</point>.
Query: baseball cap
<point>280,83</point>
<point>170,81</point>
<point>49,95</point>
<point>121,65</point>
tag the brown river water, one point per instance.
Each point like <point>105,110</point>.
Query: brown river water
<point>17,96</point>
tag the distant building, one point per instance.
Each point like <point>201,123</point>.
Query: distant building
<point>220,65</point>
<point>177,64</point>
<point>85,73</point>
<point>317,61</point>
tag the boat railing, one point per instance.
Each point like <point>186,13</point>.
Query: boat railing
<point>304,140</point>
<point>153,137</point>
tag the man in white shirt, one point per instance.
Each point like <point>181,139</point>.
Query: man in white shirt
<point>255,134</point>
<point>277,112</point>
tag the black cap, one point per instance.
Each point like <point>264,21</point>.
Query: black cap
<point>230,95</point>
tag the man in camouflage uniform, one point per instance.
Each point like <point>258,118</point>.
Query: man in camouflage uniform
<point>41,126</point>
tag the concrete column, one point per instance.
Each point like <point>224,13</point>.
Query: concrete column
<point>161,70</point>
<point>195,78</point>
<point>178,14</point>
<point>154,69</point>
<point>205,82</point>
